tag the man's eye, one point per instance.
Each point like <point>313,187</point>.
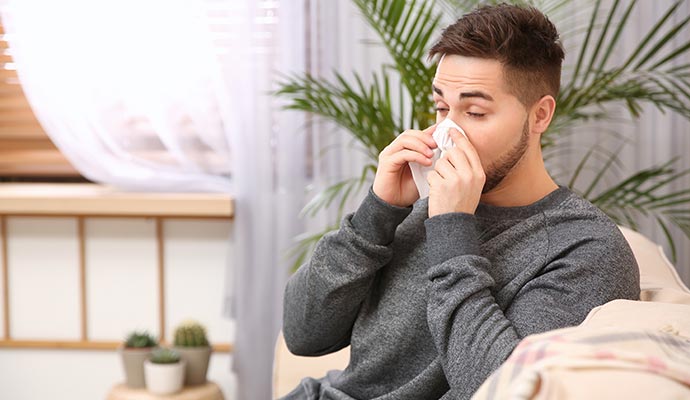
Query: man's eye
<point>441,109</point>
<point>475,115</point>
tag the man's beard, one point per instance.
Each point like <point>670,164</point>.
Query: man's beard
<point>499,169</point>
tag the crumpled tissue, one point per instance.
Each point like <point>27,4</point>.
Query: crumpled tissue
<point>445,142</point>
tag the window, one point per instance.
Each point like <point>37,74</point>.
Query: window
<point>26,152</point>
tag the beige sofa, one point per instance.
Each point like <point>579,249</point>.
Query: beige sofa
<point>581,370</point>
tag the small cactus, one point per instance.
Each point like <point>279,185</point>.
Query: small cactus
<point>140,339</point>
<point>164,355</point>
<point>190,334</point>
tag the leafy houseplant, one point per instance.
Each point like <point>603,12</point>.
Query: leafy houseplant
<point>191,342</point>
<point>134,351</point>
<point>596,86</point>
<point>164,371</point>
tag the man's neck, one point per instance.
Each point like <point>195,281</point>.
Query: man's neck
<point>527,183</point>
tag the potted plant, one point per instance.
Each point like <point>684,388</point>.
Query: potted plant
<point>135,350</point>
<point>191,342</point>
<point>597,87</point>
<point>164,371</point>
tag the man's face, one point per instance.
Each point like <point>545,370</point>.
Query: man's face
<point>472,93</point>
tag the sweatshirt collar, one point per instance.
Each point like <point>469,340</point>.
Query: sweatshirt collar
<point>550,201</point>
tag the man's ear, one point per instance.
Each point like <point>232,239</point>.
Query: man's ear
<point>542,113</point>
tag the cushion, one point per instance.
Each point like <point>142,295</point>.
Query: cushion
<point>289,369</point>
<point>659,280</point>
<point>624,349</point>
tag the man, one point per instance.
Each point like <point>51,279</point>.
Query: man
<point>433,294</point>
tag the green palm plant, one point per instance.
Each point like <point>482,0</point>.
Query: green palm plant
<point>373,112</point>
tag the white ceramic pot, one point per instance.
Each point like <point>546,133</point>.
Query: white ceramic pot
<point>164,378</point>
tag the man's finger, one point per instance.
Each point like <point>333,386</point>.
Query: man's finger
<point>430,130</point>
<point>405,156</point>
<point>458,158</point>
<point>426,136</point>
<point>412,142</point>
<point>431,177</point>
<point>444,168</point>
<point>467,148</point>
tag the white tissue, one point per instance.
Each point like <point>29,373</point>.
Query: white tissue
<point>445,142</point>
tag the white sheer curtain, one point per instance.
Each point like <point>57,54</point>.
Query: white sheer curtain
<point>175,95</point>
<point>266,40</point>
<point>340,40</point>
<point>127,90</point>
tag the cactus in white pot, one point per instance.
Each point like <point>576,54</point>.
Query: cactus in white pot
<point>191,342</point>
<point>164,372</point>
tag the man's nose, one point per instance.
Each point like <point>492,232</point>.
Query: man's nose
<point>454,116</point>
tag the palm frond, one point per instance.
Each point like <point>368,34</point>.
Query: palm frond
<point>455,8</point>
<point>647,194</point>
<point>342,190</point>
<point>599,83</point>
<point>365,111</point>
<point>594,157</point>
<point>405,29</point>
<point>642,78</point>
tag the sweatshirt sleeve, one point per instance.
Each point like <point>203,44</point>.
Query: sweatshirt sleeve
<point>472,333</point>
<point>323,297</point>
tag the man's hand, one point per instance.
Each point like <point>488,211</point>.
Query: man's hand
<point>393,182</point>
<point>456,183</point>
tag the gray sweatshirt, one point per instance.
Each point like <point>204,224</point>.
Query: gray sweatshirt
<point>432,306</point>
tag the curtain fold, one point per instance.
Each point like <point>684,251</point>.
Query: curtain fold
<point>175,95</point>
<point>124,89</point>
<point>270,178</point>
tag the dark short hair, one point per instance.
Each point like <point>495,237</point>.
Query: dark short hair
<point>522,39</point>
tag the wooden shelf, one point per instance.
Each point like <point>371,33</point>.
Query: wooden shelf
<point>83,345</point>
<point>95,200</point>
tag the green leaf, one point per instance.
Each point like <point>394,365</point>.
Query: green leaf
<point>631,82</point>
<point>662,42</point>
<point>405,28</point>
<point>364,111</point>
<point>600,83</point>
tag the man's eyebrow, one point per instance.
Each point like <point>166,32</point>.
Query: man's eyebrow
<point>437,90</point>
<point>466,95</point>
<point>476,93</point>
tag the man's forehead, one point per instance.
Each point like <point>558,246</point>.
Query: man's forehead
<point>455,72</point>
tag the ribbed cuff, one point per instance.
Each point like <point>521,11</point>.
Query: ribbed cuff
<point>376,220</point>
<point>451,235</point>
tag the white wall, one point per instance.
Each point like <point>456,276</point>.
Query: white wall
<point>121,272</point>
